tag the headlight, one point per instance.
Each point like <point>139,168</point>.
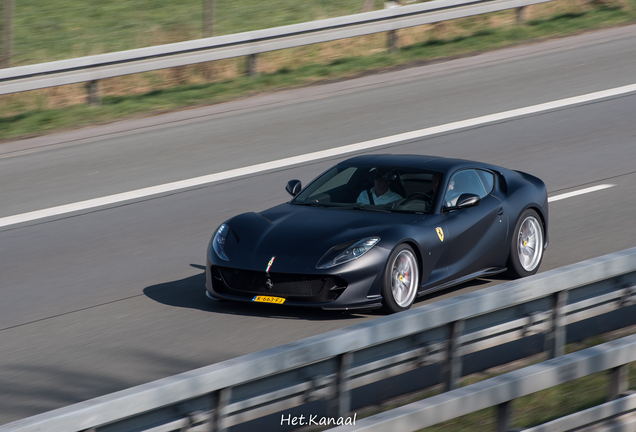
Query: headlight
<point>352,252</point>
<point>218,242</point>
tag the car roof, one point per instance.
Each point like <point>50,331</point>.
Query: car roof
<point>432,163</point>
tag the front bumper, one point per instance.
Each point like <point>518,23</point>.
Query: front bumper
<point>357,288</point>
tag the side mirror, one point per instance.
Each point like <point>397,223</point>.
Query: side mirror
<point>293,187</point>
<point>465,200</point>
<point>468,200</point>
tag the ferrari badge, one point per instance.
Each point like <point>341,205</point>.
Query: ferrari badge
<point>440,233</point>
<point>269,264</point>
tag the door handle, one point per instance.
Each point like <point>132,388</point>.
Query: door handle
<point>501,211</point>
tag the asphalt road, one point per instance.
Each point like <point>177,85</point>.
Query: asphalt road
<point>113,297</point>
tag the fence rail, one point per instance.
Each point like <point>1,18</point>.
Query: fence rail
<point>501,391</point>
<point>93,68</point>
<point>328,369</point>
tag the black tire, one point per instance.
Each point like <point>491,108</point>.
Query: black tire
<point>526,245</point>
<point>401,279</point>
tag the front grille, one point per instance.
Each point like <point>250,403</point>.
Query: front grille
<point>282,284</point>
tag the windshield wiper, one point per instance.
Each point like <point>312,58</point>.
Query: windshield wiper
<point>353,207</point>
<point>305,203</point>
<point>362,207</point>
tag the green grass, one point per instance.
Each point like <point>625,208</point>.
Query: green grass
<point>51,30</point>
<point>25,114</point>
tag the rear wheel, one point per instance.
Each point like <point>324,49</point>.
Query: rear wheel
<point>401,279</point>
<point>526,248</point>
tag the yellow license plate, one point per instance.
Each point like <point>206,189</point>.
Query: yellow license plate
<point>269,299</point>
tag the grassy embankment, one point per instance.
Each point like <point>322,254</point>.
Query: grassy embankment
<point>71,30</point>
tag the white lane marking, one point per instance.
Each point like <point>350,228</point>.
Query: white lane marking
<point>580,192</point>
<point>310,157</point>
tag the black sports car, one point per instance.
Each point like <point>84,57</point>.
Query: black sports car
<point>379,230</point>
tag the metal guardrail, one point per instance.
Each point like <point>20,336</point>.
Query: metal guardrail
<point>328,368</point>
<point>502,390</point>
<point>97,67</point>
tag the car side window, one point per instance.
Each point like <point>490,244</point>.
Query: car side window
<point>487,178</point>
<point>465,181</point>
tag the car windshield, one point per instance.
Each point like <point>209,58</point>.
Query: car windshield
<point>375,188</point>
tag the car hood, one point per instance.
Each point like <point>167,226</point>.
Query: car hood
<point>302,234</point>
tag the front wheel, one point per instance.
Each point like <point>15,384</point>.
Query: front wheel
<point>401,279</point>
<point>526,248</point>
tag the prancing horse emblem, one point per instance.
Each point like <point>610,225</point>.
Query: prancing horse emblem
<point>440,233</point>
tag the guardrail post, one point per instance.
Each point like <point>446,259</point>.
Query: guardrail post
<point>94,97</point>
<point>619,381</point>
<point>7,32</point>
<point>521,14</point>
<point>341,403</point>
<point>367,6</point>
<point>222,400</point>
<point>251,65</point>
<point>452,370</point>
<point>504,416</point>
<point>555,338</point>
<point>393,41</point>
<point>208,18</point>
